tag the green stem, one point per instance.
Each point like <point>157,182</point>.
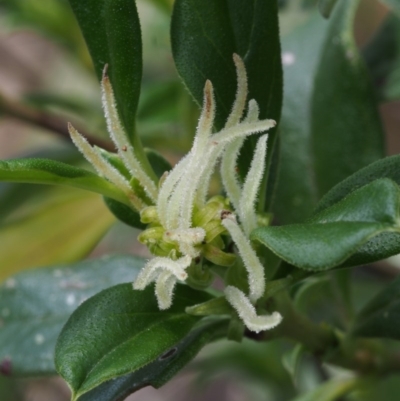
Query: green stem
<point>142,158</point>
<point>318,338</point>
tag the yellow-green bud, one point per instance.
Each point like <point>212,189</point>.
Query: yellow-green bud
<point>149,215</point>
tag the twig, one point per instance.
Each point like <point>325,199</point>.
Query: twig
<point>50,122</point>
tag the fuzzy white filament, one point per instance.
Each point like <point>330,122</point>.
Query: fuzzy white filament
<point>197,164</point>
<point>187,238</point>
<point>165,285</point>
<point>233,119</point>
<point>247,312</point>
<point>251,186</point>
<point>124,147</point>
<point>241,93</point>
<point>251,262</point>
<point>167,190</point>
<point>151,270</point>
<point>229,174</point>
<point>93,156</point>
<point>242,130</point>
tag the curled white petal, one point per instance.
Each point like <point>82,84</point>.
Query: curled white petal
<point>228,171</point>
<point>94,157</point>
<point>187,238</point>
<point>192,236</point>
<point>241,94</point>
<point>165,285</point>
<point>198,164</point>
<point>150,271</point>
<point>209,162</point>
<point>247,312</point>
<point>124,147</point>
<point>253,111</point>
<point>229,175</point>
<point>251,262</point>
<point>242,130</point>
<point>167,217</point>
<point>251,186</point>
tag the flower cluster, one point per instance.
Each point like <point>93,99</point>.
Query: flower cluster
<point>184,227</point>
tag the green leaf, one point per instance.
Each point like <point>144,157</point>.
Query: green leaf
<point>291,361</point>
<point>330,237</point>
<point>111,29</point>
<point>345,121</point>
<point>326,7</point>
<point>380,317</point>
<point>36,304</point>
<point>160,371</point>
<point>124,213</point>
<point>330,391</point>
<point>44,171</point>
<point>63,229</point>
<point>297,192</point>
<point>118,332</point>
<point>157,162</point>
<point>204,37</point>
<point>385,244</point>
<point>389,167</point>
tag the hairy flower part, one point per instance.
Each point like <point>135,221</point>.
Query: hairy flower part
<point>165,285</point>
<point>167,188</point>
<point>254,268</point>
<point>229,159</point>
<point>121,141</point>
<point>187,239</point>
<point>247,312</point>
<point>241,93</point>
<point>247,201</point>
<point>184,194</point>
<point>184,228</point>
<point>153,267</point>
<point>106,170</point>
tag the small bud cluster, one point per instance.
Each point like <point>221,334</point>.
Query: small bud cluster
<point>185,231</point>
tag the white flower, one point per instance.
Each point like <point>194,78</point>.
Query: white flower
<point>183,192</point>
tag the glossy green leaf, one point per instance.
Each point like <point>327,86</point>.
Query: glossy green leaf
<point>345,120</point>
<point>297,192</point>
<point>204,37</point>
<point>329,391</point>
<point>64,228</point>
<point>330,237</point>
<point>380,317</point>
<point>389,167</point>
<point>162,369</point>
<point>124,213</point>
<point>383,245</point>
<point>111,29</point>
<point>157,162</point>
<point>43,171</point>
<point>36,304</point>
<point>119,331</point>
<point>326,7</point>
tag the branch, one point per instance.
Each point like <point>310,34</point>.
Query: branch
<point>49,122</point>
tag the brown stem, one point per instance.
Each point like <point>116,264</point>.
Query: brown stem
<point>50,122</point>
